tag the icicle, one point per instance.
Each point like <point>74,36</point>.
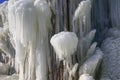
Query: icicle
<point>82,26</point>
<point>43,63</point>
<point>87,40</point>
<point>82,19</point>
<point>91,50</point>
<point>24,35</point>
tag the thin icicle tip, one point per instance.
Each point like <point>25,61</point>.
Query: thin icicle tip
<point>64,43</point>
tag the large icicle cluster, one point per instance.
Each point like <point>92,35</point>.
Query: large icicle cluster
<point>82,27</point>
<point>29,26</point>
<point>24,36</point>
<point>30,29</point>
<point>87,53</point>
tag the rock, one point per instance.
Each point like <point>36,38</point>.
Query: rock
<point>111,58</point>
<point>113,32</point>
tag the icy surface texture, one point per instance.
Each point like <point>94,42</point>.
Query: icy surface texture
<point>65,44</point>
<point>111,57</point>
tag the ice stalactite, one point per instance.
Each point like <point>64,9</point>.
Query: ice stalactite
<point>82,18</point>
<point>43,62</point>
<point>24,36</point>
<point>82,26</point>
<point>12,28</point>
<point>30,30</point>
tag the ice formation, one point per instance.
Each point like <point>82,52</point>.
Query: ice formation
<point>43,51</point>
<point>65,44</point>
<point>24,30</point>
<point>86,77</point>
<point>82,18</point>
<point>82,27</point>
<point>30,31</point>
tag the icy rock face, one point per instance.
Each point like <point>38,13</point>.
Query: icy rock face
<point>65,44</point>
<point>111,59</point>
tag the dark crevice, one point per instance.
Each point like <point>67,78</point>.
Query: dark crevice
<point>100,19</point>
<point>68,15</point>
